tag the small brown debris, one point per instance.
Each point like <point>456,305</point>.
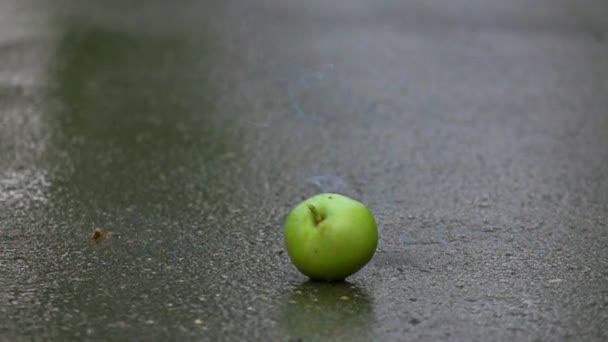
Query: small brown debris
<point>99,234</point>
<point>280,252</point>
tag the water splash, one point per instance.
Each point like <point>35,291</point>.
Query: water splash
<point>304,115</point>
<point>306,79</point>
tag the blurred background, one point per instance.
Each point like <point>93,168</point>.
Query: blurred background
<point>476,131</point>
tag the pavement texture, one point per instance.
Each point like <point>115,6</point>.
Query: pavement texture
<point>476,131</point>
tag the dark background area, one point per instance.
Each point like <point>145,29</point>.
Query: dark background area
<point>476,131</point>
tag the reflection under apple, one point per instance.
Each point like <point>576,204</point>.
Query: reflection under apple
<point>342,311</point>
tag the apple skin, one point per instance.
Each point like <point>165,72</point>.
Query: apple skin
<point>330,236</point>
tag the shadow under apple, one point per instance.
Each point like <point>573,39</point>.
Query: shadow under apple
<point>339,310</point>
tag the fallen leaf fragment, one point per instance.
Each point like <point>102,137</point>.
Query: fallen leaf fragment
<point>99,234</point>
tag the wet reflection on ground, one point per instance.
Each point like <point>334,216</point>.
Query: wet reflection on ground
<point>337,311</point>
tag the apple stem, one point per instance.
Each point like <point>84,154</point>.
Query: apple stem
<point>316,214</point>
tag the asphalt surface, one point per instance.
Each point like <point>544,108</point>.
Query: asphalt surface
<point>476,131</point>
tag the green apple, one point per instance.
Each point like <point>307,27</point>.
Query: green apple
<point>330,236</point>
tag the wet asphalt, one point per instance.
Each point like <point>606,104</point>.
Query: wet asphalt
<point>476,131</point>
